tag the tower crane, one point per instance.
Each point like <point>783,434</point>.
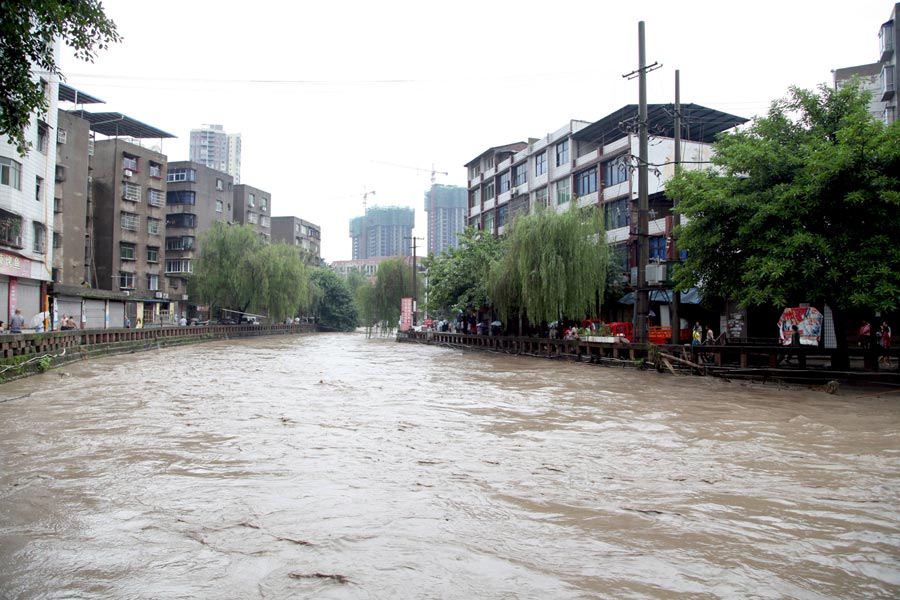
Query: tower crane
<point>363,242</point>
<point>432,217</point>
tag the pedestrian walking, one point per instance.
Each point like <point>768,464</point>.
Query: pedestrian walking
<point>16,322</point>
<point>884,336</point>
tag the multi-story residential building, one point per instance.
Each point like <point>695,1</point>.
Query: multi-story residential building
<point>366,266</point>
<point>129,217</point>
<point>592,164</point>
<point>302,234</point>
<point>26,212</point>
<point>196,198</point>
<point>213,147</point>
<point>253,206</point>
<point>879,78</point>
<point>383,231</point>
<point>447,210</point>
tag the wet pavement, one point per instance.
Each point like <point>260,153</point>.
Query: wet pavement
<point>332,466</point>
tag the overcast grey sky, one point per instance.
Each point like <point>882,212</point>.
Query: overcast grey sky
<point>323,92</point>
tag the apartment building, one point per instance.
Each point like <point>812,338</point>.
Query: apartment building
<point>594,164</point>
<point>26,212</point>
<point>302,234</point>
<point>253,206</point>
<point>129,217</point>
<point>879,78</point>
<point>211,146</point>
<point>383,231</point>
<point>197,197</point>
<point>447,210</point>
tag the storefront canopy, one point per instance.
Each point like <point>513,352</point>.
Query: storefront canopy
<point>691,296</point>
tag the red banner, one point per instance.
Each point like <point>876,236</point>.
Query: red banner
<point>406,313</point>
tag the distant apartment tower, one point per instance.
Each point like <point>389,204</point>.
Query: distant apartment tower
<point>447,210</point>
<point>880,78</point>
<point>383,231</point>
<point>197,197</point>
<point>212,147</point>
<point>297,232</point>
<point>253,206</point>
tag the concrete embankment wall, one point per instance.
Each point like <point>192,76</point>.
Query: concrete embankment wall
<point>29,353</point>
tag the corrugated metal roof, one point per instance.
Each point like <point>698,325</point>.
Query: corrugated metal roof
<point>114,124</point>
<point>69,94</point>
<point>699,123</point>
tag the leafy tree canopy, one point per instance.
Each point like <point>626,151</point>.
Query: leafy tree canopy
<point>28,29</point>
<point>555,265</point>
<point>228,272</point>
<point>457,279</point>
<point>334,308</point>
<point>803,205</point>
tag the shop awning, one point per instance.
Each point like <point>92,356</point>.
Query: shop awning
<point>690,296</point>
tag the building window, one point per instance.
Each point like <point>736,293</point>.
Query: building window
<point>264,221</point>
<point>179,265</point>
<point>181,197</point>
<point>502,215</point>
<point>43,137</point>
<point>155,197</point>
<point>540,197</point>
<point>181,175</point>
<point>540,164</point>
<point>657,247</point>
<point>10,173</point>
<point>57,240</point>
<point>155,170</point>
<point>130,221</point>
<point>520,174</point>
<point>39,189</point>
<point>562,153</point>
<point>489,221</point>
<point>181,242</point>
<point>474,197</point>
<point>10,229</point>
<point>61,135</point>
<point>129,162</point>
<point>503,182</point>
<point>218,206</point>
<point>488,190</point>
<point>251,217</point>
<point>126,251</point>
<point>152,254</point>
<point>126,280</point>
<point>152,282</point>
<point>586,182</point>
<point>563,191</point>
<point>264,204</point>
<point>617,214</point>
<point>251,200</point>
<point>131,191</point>
<point>615,171</point>
<point>153,226</point>
<point>181,220</point>
<point>40,237</point>
<point>220,185</point>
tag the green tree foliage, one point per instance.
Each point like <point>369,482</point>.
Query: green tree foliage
<point>392,282</point>
<point>457,279</point>
<point>228,272</point>
<point>555,264</point>
<point>334,308</point>
<point>282,281</point>
<point>27,32</point>
<point>801,206</point>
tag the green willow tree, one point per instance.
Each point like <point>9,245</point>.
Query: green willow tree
<point>28,29</point>
<point>554,266</point>
<point>282,281</point>
<point>228,271</point>
<point>393,282</point>
<point>802,206</point>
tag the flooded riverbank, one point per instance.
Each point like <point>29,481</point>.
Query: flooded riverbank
<point>332,466</point>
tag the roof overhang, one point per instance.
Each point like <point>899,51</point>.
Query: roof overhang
<point>69,94</point>
<point>114,124</point>
<point>699,123</point>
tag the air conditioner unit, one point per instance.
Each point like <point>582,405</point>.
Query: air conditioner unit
<point>158,295</point>
<point>126,292</point>
<point>129,173</point>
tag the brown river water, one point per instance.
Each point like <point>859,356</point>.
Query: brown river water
<point>332,466</point>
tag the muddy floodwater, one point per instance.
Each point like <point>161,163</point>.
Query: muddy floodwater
<point>332,466</point>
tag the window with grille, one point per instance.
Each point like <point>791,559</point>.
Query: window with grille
<point>131,191</point>
<point>156,197</point>
<point>153,226</point>
<point>130,221</point>
<point>40,237</point>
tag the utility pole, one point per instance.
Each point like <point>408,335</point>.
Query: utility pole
<point>641,307</point>
<point>415,273</point>
<point>676,218</point>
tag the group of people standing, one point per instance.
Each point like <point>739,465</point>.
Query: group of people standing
<point>882,341</point>
<point>698,337</point>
